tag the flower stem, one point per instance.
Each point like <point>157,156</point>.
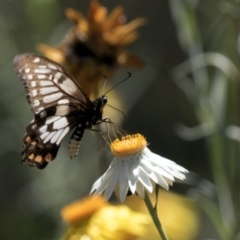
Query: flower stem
<point>153,213</point>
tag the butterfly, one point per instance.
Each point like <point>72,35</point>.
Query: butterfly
<point>59,105</point>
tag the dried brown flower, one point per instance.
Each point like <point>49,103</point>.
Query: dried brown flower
<point>96,45</point>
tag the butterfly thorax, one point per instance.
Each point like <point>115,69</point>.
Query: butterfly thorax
<point>98,106</point>
<point>92,116</point>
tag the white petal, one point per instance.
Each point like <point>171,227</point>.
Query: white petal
<point>169,182</point>
<point>101,184</point>
<point>133,176</point>
<point>162,182</point>
<point>140,190</point>
<point>178,175</point>
<point>137,173</point>
<point>153,176</point>
<point>123,182</point>
<point>165,164</point>
<point>146,165</point>
<point>162,172</point>
<point>144,179</point>
<point>157,178</point>
<point>113,182</point>
<point>97,183</point>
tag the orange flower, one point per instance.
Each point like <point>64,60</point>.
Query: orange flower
<point>96,45</point>
<point>79,210</point>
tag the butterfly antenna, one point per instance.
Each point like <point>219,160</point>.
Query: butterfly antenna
<point>129,75</point>
<point>104,85</point>
<point>124,116</point>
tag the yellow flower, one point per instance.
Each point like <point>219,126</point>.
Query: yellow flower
<point>94,219</point>
<point>117,222</point>
<point>135,168</point>
<point>96,46</point>
<point>179,216</point>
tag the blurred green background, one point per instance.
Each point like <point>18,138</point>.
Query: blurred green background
<point>31,199</point>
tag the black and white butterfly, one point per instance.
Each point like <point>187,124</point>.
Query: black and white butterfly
<point>59,105</point>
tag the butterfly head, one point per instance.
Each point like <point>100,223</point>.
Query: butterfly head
<point>104,100</point>
<point>101,102</point>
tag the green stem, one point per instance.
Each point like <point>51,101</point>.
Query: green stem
<point>153,213</point>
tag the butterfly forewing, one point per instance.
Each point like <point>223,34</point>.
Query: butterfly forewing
<point>47,83</point>
<point>59,105</point>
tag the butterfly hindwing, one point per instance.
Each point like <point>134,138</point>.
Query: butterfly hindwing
<point>43,136</point>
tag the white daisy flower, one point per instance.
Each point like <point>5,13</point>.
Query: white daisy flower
<point>135,168</point>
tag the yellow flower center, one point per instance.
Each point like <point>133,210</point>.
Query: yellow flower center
<point>128,145</point>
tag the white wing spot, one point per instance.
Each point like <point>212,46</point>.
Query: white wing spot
<point>30,76</point>
<point>27,70</point>
<point>52,66</point>
<point>56,136</point>
<point>62,110</point>
<point>42,66</point>
<point>41,76</point>
<point>65,131</point>
<point>36,103</point>
<point>57,76</point>
<point>48,90</point>
<point>45,83</point>
<point>33,84</point>
<point>42,136</point>
<point>63,101</point>
<point>49,137</point>
<point>52,97</point>
<point>34,126</point>
<point>61,123</point>
<point>42,70</point>
<point>67,85</point>
<point>33,93</point>
<point>36,60</point>
<point>43,129</point>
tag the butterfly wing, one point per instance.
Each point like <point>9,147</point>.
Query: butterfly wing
<point>57,102</point>
<point>47,83</point>
<point>44,134</point>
